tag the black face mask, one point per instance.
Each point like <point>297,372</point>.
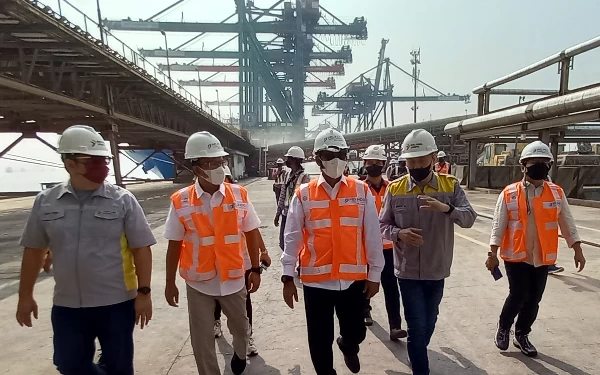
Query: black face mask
<point>288,163</point>
<point>374,170</point>
<point>538,171</point>
<point>419,174</point>
<point>441,160</point>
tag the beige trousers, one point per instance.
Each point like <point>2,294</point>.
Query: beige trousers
<point>201,308</point>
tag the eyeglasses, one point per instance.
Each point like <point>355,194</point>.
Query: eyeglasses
<point>330,155</point>
<point>210,165</point>
<point>84,159</point>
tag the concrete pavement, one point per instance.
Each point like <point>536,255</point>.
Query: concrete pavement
<point>566,333</point>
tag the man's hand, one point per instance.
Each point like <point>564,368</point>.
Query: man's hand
<point>430,203</point>
<point>411,236</point>
<point>25,308</point>
<point>172,294</point>
<point>491,262</point>
<point>143,310</point>
<point>253,282</point>
<point>276,221</point>
<point>579,258</point>
<point>47,262</point>
<point>264,257</point>
<point>371,288</point>
<point>290,293</point>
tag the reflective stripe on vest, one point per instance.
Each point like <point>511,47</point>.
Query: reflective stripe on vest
<point>209,242</point>
<point>379,203</point>
<point>442,168</point>
<point>546,210</point>
<point>333,232</point>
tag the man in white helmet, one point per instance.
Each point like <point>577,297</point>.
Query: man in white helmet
<point>206,226</point>
<point>525,229</point>
<point>374,160</point>
<point>100,241</point>
<point>442,166</point>
<point>279,178</point>
<point>396,169</point>
<point>295,176</point>
<point>332,224</point>
<point>418,215</point>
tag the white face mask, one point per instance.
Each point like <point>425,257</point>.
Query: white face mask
<point>215,176</point>
<point>334,168</point>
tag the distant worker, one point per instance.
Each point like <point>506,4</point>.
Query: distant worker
<point>346,171</point>
<point>442,166</point>
<point>396,169</point>
<point>206,226</point>
<point>264,259</point>
<point>295,176</point>
<point>374,160</point>
<point>100,242</point>
<point>526,226</point>
<point>423,233</point>
<point>332,223</point>
<point>279,178</point>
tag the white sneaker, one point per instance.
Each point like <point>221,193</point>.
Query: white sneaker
<point>252,350</point>
<point>218,330</point>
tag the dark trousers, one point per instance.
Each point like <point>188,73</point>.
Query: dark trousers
<point>320,305</point>
<point>248,305</point>
<point>389,283</point>
<point>281,230</point>
<point>526,287</point>
<point>277,190</point>
<point>421,300</point>
<point>75,331</point>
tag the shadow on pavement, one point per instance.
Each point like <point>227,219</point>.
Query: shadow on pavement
<point>576,285</point>
<point>256,365</point>
<point>440,363</point>
<point>537,364</point>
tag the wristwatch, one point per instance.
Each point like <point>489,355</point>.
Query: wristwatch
<point>257,270</point>
<point>450,209</point>
<point>145,290</point>
<point>287,279</point>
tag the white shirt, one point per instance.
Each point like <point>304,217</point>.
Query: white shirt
<point>566,223</point>
<point>294,239</point>
<point>175,231</point>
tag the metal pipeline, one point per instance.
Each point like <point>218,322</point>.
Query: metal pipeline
<point>548,61</point>
<point>584,100</point>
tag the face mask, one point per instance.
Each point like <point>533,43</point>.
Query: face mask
<point>215,176</point>
<point>441,161</point>
<point>538,171</point>
<point>374,170</point>
<point>334,168</point>
<point>96,173</point>
<point>419,174</point>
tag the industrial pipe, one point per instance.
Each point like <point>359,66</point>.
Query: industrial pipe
<point>548,61</point>
<point>584,100</point>
<point>534,126</point>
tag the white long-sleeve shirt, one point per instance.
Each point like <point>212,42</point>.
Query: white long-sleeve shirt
<point>566,224</point>
<point>294,240</point>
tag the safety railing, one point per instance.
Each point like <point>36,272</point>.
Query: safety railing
<point>102,35</point>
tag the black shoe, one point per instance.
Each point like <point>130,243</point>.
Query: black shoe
<point>397,334</point>
<point>368,319</point>
<point>352,361</point>
<point>522,342</point>
<point>238,365</point>
<point>502,338</point>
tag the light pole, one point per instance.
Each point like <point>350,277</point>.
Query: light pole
<point>168,62</point>
<point>218,104</point>
<point>199,88</point>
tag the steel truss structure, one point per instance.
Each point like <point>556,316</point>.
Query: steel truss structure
<point>273,70</point>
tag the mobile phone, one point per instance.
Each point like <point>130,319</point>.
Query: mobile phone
<point>264,265</point>
<point>496,273</point>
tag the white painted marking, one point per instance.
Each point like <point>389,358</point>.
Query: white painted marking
<point>477,242</point>
<point>588,228</point>
<point>9,284</point>
<point>482,206</point>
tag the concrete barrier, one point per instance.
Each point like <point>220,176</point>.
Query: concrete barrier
<point>461,172</point>
<point>568,178</point>
<point>499,177</point>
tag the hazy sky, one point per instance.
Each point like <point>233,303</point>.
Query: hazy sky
<point>464,43</point>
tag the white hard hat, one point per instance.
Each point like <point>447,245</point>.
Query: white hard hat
<point>203,145</point>
<point>375,152</point>
<point>82,139</point>
<point>401,159</point>
<point>441,154</point>
<point>227,171</point>
<point>417,143</point>
<point>280,161</point>
<point>295,152</point>
<point>330,140</point>
<point>537,149</point>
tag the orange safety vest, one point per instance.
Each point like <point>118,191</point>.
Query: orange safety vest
<point>442,168</point>
<point>334,242</point>
<point>379,203</point>
<point>207,244</point>
<point>546,210</point>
